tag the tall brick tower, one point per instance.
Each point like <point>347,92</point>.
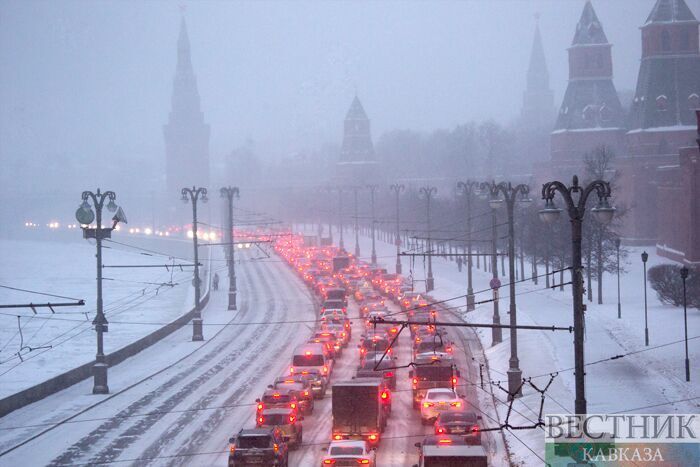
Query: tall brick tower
<point>662,117</point>
<point>538,100</point>
<point>591,113</point>
<point>186,134</point>
<point>357,164</point>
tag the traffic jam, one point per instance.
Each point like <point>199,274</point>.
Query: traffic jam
<point>387,359</point>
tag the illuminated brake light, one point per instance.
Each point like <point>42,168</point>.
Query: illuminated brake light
<point>292,418</point>
<point>475,429</point>
<point>337,437</point>
<point>445,441</point>
<point>260,406</point>
<point>428,404</point>
<point>329,461</point>
<point>293,405</point>
<point>415,381</point>
<point>276,447</point>
<point>373,437</point>
<point>276,395</point>
<point>291,370</point>
<point>456,404</point>
<point>388,374</point>
<point>363,461</point>
<point>232,448</point>
<point>261,420</point>
<point>307,353</point>
<point>439,430</point>
<point>384,395</point>
<point>306,393</point>
<point>325,370</point>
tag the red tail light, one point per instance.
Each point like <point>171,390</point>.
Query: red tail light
<point>454,381</point>
<point>260,407</point>
<point>428,404</point>
<point>292,418</point>
<point>329,461</point>
<point>363,461</point>
<point>439,430</point>
<point>456,404</point>
<point>475,429</point>
<point>337,437</point>
<point>384,395</point>
<point>325,370</point>
<point>445,441</point>
<point>373,437</point>
<point>291,370</point>
<point>388,374</point>
<point>231,448</point>
<point>415,381</point>
<point>293,405</point>
<point>261,420</point>
<point>306,393</point>
<point>276,447</point>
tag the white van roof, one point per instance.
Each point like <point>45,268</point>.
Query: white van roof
<point>453,450</point>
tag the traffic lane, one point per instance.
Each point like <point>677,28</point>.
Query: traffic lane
<point>317,426</point>
<point>404,428</point>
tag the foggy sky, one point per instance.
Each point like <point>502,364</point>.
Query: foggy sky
<point>93,79</point>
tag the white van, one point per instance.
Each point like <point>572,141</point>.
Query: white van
<point>309,356</point>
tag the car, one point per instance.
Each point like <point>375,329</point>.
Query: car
<point>437,401</point>
<point>329,338</point>
<point>463,423</point>
<point>374,343</point>
<point>450,451</point>
<point>260,446</point>
<point>315,378</point>
<point>287,422</point>
<point>385,369</point>
<point>338,318</point>
<point>282,398</point>
<point>300,388</point>
<point>310,356</point>
<point>338,329</point>
<point>349,452</point>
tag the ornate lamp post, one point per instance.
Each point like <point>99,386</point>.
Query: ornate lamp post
<point>85,215</point>
<point>645,257</point>
<point>428,192</point>
<point>341,242</point>
<point>357,228</point>
<point>195,194</point>
<point>510,194</point>
<point>619,305</point>
<point>469,187</point>
<point>229,193</point>
<point>684,276</point>
<point>576,209</point>
<point>398,188</point>
<point>372,191</point>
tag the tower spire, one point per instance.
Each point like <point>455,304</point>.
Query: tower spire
<point>538,100</point>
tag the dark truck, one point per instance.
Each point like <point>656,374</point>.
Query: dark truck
<point>340,263</point>
<point>358,412</point>
<point>438,374</point>
<point>258,446</point>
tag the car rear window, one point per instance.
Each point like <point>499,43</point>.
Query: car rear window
<point>434,373</point>
<point>247,442</point>
<point>308,360</point>
<point>275,419</point>
<point>440,396</point>
<point>346,451</point>
<point>457,417</point>
<point>281,398</point>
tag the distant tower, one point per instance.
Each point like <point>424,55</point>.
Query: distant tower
<point>357,163</point>
<point>591,113</point>
<point>186,134</point>
<point>538,100</point>
<point>662,117</point>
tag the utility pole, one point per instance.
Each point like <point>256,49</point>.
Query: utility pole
<point>603,213</point>
<point>684,276</point>
<point>511,194</point>
<point>468,188</point>
<point>357,228</point>
<point>341,242</point>
<point>229,193</point>
<point>372,189</point>
<point>85,215</point>
<point>496,333</point>
<point>397,188</point>
<point>645,257</point>
<point>428,192</point>
<point>193,194</point>
<point>619,305</point>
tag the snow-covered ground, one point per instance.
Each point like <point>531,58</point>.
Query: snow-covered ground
<point>646,382</point>
<point>50,344</point>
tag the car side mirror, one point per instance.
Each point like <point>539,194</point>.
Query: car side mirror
<point>269,386</point>
<point>257,400</point>
<point>417,445</point>
<point>232,440</point>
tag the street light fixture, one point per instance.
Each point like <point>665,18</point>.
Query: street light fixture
<point>510,195</point>
<point>397,188</point>
<point>428,192</point>
<point>195,194</point>
<point>85,215</point>
<point>645,257</point>
<point>684,276</point>
<point>576,212</point>
<point>372,190</point>
<point>469,188</point>
<point>229,193</point>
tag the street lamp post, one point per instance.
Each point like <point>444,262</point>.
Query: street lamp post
<point>510,194</point>
<point>372,190</point>
<point>428,192</point>
<point>341,242</point>
<point>684,276</point>
<point>229,193</point>
<point>85,215</point>
<point>619,305</point>
<point>645,257</point>
<point>604,214</point>
<point>357,228</point>
<point>195,194</point>
<point>397,188</point>
<point>468,188</point>
<point>496,331</point>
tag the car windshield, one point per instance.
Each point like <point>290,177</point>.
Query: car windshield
<point>275,419</point>
<point>247,442</point>
<point>440,396</point>
<point>346,451</point>
<point>308,360</point>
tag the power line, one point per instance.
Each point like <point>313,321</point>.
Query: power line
<point>38,293</point>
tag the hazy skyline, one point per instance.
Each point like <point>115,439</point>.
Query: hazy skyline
<point>94,79</point>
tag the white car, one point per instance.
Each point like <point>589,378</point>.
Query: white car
<point>348,452</point>
<point>438,400</point>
